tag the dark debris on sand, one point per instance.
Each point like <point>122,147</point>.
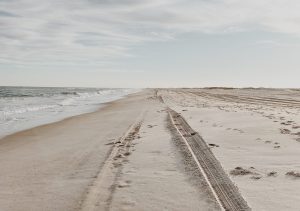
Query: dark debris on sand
<point>240,171</point>
<point>293,174</point>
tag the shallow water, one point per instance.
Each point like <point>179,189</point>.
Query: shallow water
<point>26,107</point>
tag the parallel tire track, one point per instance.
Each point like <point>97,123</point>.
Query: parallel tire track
<point>250,99</point>
<point>225,192</point>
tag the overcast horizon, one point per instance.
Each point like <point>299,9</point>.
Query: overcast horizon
<point>158,43</point>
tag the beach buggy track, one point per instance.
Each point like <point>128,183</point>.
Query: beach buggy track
<point>223,189</point>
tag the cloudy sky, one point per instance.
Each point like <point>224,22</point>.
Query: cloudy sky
<point>150,43</point>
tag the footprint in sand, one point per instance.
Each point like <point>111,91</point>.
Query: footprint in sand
<point>286,123</point>
<point>127,205</point>
<point>124,184</point>
<point>293,174</point>
<point>256,177</point>
<point>117,164</point>
<point>284,131</point>
<point>239,130</point>
<point>272,174</point>
<point>240,171</point>
<point>151,126</point>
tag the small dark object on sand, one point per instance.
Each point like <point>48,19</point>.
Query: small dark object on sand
<point>213,145</point>
<point>272,174</point>
<point>293,174</point>
<point>240,171</point>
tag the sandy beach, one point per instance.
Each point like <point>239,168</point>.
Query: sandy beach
<point>161,149</point>
<point>136,105</point>
<point>254,133</point>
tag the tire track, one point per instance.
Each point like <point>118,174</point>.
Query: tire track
<point>225,192</point>
<point>100,194</point>
<point>250,99</point>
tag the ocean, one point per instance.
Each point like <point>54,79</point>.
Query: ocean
<point>26,107</point>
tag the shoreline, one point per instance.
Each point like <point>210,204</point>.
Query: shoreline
<point>62,152</point>
<point>99,107</point>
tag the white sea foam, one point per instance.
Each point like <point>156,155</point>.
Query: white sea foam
<point>22,109</point>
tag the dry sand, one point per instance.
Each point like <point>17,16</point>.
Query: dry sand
<point>127,156</point>
<point>255,129</point>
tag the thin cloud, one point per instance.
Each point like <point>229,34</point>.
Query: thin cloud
<point>45,32</point>
<point>7,14</point>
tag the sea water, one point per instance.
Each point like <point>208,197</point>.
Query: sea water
<point>26,107</point>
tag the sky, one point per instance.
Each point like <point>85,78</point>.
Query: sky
<point>150,43</point>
